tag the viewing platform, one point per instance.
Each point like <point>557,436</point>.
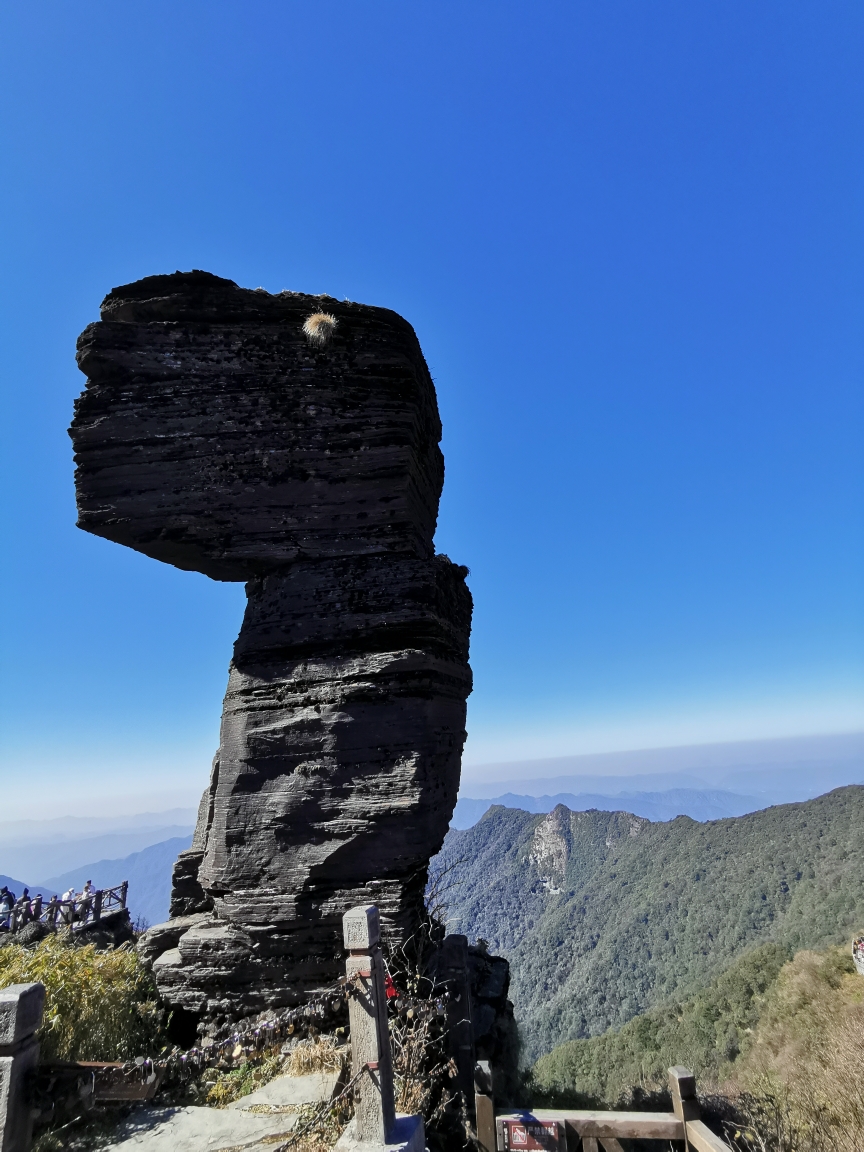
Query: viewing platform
<point>76,912</point>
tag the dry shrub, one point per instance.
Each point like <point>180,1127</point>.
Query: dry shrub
<point>801,1085</point>
<point>425,1076</point>
<point>412,1043</point>
<point>423,1072</point>
<point>98,1005</point>
<point>319,327</point>
<point>321,1054</point>
<point>317,1129</point>
<point>316,1141</point>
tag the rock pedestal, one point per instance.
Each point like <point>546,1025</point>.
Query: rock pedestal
<point>291,442</point>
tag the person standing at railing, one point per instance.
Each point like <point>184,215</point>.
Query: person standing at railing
<point>21,912</point>
<point>7,903</point>
<point>85,901</point>
<point>67,909</point>
<point>51,910</point>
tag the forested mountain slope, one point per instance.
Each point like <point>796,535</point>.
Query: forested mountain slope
<point>789,1035</point>
<point>706,1033</point>
<point>604,914</point>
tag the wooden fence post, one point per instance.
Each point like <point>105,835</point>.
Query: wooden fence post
<point>698,1136</point>
<point>20,1015</point>
<point>484,1107</point>
<point>682,1085</point>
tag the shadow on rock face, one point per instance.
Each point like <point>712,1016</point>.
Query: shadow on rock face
<point>182,1027</point>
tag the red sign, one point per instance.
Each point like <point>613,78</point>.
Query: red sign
<point>530,1134</point>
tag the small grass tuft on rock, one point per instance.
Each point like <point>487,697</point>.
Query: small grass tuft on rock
<point>319,327</point>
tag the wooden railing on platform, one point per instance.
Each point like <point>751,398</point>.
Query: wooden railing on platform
<point>557,1131</point>
<point>75,914</point>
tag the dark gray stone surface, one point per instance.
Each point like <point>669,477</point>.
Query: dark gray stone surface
<point>217,435</point>
<point>496,1036</point>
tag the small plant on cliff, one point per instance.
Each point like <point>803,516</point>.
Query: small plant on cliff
<point>249,1077</point>
<point>98,1006</point>
<point>319,328</point>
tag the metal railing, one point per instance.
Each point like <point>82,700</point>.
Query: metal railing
<point>81,910</point>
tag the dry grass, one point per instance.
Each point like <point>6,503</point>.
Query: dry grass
<point>98,1006</point>
<point>317,1141</point>
<point>321,1054</point>
<point>239,1082</point>
<point>801,1085</point>
<point>319,327</point>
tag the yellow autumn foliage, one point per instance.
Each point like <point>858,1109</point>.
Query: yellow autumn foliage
<point>99,1005</point>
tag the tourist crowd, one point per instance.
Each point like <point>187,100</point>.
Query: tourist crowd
<point>67,909</point>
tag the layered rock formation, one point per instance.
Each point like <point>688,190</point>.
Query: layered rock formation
<point>216,436</point>
<point>292,442</point>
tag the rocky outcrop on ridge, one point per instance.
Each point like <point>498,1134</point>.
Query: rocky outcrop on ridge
<point>289,441</point>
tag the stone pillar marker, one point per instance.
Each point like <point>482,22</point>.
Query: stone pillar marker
<point>20,1015</point>
<point>367,1012</point>
<point>375,1121</point>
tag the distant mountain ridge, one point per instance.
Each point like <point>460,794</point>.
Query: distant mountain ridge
<point>605,914</point>
<point>704,804</point>
<point>79,827</point>
<point>50,847</point>
<point>705,765</point>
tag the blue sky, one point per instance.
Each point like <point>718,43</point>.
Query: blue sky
<point>629,236</point>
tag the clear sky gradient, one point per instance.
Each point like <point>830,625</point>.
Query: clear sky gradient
<point>629,237</point>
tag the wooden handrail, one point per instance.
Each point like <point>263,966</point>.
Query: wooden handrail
<point>549,1129</point>
<point>700,1137</point>
<point>587,1124</point>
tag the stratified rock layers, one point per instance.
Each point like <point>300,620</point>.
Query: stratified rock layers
<point>215,436</point>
